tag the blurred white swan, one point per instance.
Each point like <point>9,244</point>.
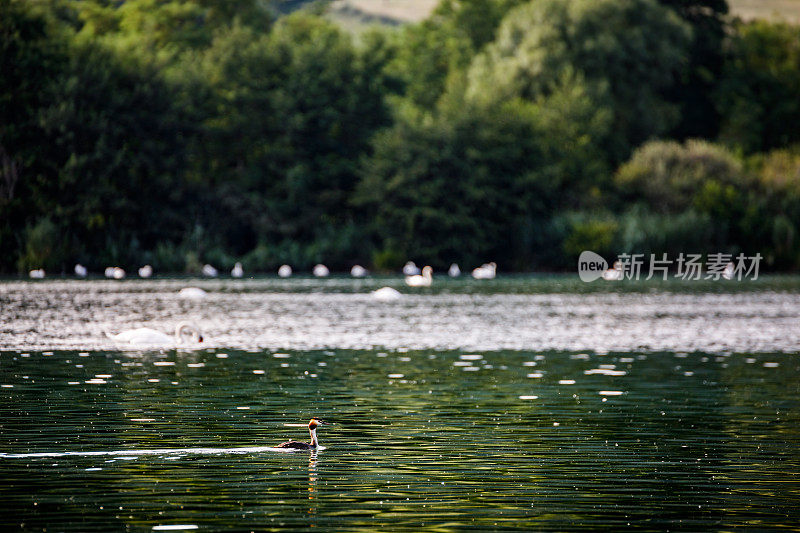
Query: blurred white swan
<point>36,274</point>
<point>80,271</point>
<point>423,280</point>
<point>614,274</point>
<point>185,333</point>
<point>114,272</point>
<point>321,271</point>
<point>358,271</point>
<point>285,271</point>
<point>209,271</point>
<point>729,271</point>
<point>386,294</point>
<point>194,293</point>
<point>454,271</point>
<point>485,271</point>
<point>410,269</point>
<point>146,271</point>
<point>237,271</point>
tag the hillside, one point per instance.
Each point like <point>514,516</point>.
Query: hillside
<point>355,13</point>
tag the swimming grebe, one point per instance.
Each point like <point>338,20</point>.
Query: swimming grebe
<point>298,445</point>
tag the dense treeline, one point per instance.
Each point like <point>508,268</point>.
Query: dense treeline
<point>179,132</point>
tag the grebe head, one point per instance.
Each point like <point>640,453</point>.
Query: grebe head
<point>314,422</point>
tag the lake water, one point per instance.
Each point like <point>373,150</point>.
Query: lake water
<point>518,403</point>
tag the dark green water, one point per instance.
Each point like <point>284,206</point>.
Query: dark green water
<point>422,440</point>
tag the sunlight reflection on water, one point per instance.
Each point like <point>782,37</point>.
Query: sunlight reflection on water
<point>341,314</point>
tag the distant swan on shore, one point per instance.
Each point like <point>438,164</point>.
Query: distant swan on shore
<point>209,271</point>
<point>285,271</point>
<point>423,280</point>
<point>410,269</point>
<point>36,274</point>
<point>454,271</point>
<point>80,271</point>
<point>146,271</point>
<point>185,333</point>
<point>321,271</point>
<point>358,271</point>
<point>485,271</point>
<point>114,272</point>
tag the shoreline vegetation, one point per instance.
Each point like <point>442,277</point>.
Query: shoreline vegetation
<point>180,133</point>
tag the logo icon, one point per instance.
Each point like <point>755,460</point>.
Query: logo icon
<point>591,266</point>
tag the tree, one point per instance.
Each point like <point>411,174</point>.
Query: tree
<point>32,57</point>
<point>440,47</point>
<point>669,178</point>
<point>290,114</point>
<point>631,52</point>
<point>161,28</point>
<point>478,181</point>
<point>111,181</point>
<point>694,91</point>
<point>757,96</point>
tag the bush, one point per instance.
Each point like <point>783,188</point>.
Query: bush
<point>43,248</point>
<point>597,233</point>
<point>671,177</point>
<point>778,174</point>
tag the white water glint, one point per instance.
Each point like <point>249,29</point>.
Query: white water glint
<point>160,451</point>
<point>322,313</point>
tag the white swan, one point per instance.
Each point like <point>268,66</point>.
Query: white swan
<point>285,271</point>
<point>80,271</point>
<point>194,293</point>
<point>485,271</point>
<point>237,271</point>
<point>358,271</point>
<point>36,274</point>
<point>423,280</point>
<point>386,294</point>
<point>410,269</point>
<point>454,271</point>
<point>209,271</point>
<point>117,273</point>
<point>321,271</point>
<point>185,333</point>
<point>729,271</point>
<point>146,271</point>
<point>614,274</point>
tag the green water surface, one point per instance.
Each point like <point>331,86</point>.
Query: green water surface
<point>421,440</point>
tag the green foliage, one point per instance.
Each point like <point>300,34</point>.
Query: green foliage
<point>435,51</point>
<point>629,53</point>
<point>694,91</point>
<point>181,132</point>
<point>778,174</point>
<point>587,232</point>
<point>44,247</point>
<point>643,231</point>
<point>291,113</point>
<point>464,185</point>
<point>757,95</point>
<point>162,27</point>
<point>671,177</point>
